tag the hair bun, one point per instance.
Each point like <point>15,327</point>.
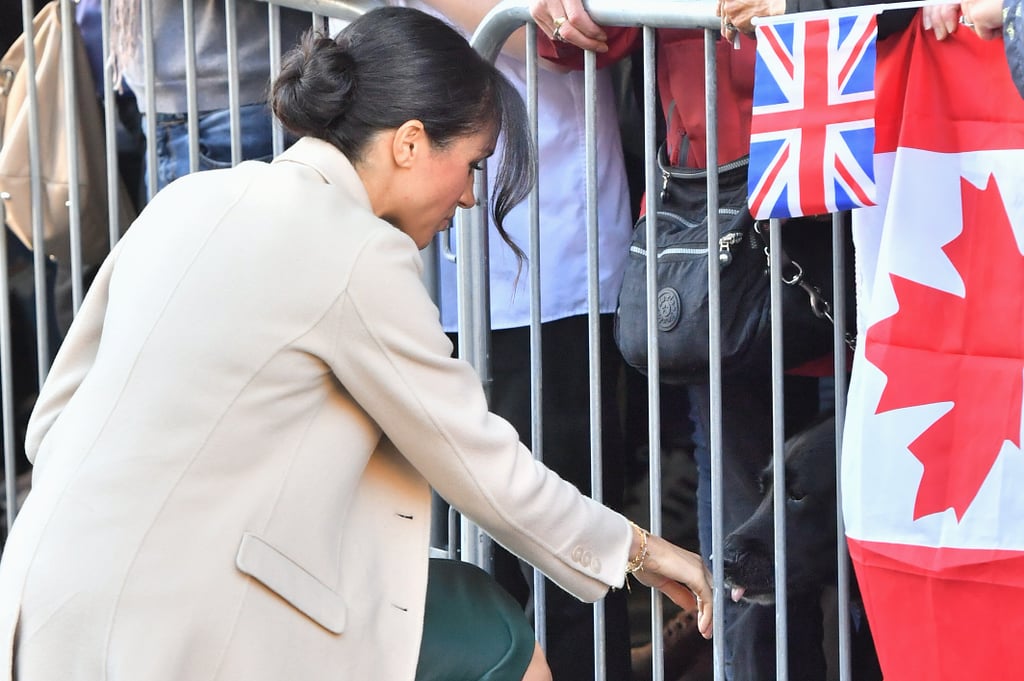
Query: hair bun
<point>315,87</point>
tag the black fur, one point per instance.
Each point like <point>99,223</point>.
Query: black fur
<point>811,538</point>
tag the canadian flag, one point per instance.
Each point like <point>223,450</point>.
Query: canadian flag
<point>933,472</point>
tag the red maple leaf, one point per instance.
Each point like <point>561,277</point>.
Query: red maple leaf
<point>939,347</point>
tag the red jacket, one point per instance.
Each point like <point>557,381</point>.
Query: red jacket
<point>680,72</point>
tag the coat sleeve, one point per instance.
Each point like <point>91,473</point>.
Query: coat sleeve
<point>390,353</point>
<point>74,359</point>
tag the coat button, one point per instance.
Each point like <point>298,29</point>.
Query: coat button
<point>576,554</point>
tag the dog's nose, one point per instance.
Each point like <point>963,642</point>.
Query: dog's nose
<point>738,550</point>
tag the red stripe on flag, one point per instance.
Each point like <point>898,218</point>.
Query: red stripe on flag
<point>943,614</point>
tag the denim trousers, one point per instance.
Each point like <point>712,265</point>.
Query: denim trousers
<point>172,140</point>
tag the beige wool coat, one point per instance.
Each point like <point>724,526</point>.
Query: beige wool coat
<point>234,448</point>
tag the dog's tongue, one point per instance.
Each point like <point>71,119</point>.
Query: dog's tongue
<point>737,593</point>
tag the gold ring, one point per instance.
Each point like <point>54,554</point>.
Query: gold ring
<point>557,34</point>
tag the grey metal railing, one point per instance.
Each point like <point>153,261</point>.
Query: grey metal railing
<point>473,238</point>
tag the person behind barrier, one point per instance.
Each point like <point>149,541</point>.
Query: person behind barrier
<point>746,400</point>
<point>235,446</point>
<point>170,88</point>
<point>565,407</point>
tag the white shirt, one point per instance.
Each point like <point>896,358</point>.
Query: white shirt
<point>563,240</point>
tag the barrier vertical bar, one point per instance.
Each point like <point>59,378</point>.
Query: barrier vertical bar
<point>536,346</point>
<point>715,348</point>
<point>149,63</point>
<point>594,323</point>
<point>191,85</point>
<point>67,56</point>
<point>274,26</point>
<point>474,327</point>
<point>231,30</point>
<point>840,370</point>
<point>778,449</point>
<point>6,383</point>
<point>653,372</point>
<point>110,130</point>
<point>36,196</point>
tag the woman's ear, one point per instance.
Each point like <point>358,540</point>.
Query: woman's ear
<point>409,143</point>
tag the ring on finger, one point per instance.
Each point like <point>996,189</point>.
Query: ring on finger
<point>559,22</point>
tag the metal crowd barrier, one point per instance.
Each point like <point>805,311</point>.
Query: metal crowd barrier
<point>474,310</point>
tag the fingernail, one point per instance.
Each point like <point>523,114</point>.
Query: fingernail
<point>927,22</point>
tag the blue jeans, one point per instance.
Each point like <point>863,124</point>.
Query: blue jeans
<point>214,140</point>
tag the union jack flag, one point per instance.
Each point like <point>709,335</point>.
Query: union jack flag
<point>812,133</point>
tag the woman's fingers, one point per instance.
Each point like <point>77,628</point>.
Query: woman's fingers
<point>941,19</point>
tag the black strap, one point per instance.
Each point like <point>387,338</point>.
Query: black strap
<point>793,274</point>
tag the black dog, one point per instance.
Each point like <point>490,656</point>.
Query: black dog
<point>811,538</point>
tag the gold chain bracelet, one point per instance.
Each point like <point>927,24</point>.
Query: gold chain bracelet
<point>636,563</point>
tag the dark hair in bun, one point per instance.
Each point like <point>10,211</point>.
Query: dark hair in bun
<point>396,64</point>
<point>315,87</point>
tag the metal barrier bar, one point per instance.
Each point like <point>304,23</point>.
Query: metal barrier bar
<point>715,350</point>
<point>110,130</point>
<point>7,384</point>
<point>840,370</point>
<point>36,195</point>
<point>149,64</point>
<point>474,328</point>
<point>594,332</point>
<point>191,85</point>
<point>234,112</point>
<point>536,356</point>
<point>274,27</point>
<point>778,449</point>
<point>650,86</point>
<point>67,54</point>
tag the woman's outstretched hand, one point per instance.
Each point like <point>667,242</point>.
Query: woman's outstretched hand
<point>680,575</point>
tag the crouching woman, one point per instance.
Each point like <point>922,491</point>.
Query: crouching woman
<point>235,447</point>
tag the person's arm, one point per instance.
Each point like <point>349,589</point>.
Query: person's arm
<point>384,343</point>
